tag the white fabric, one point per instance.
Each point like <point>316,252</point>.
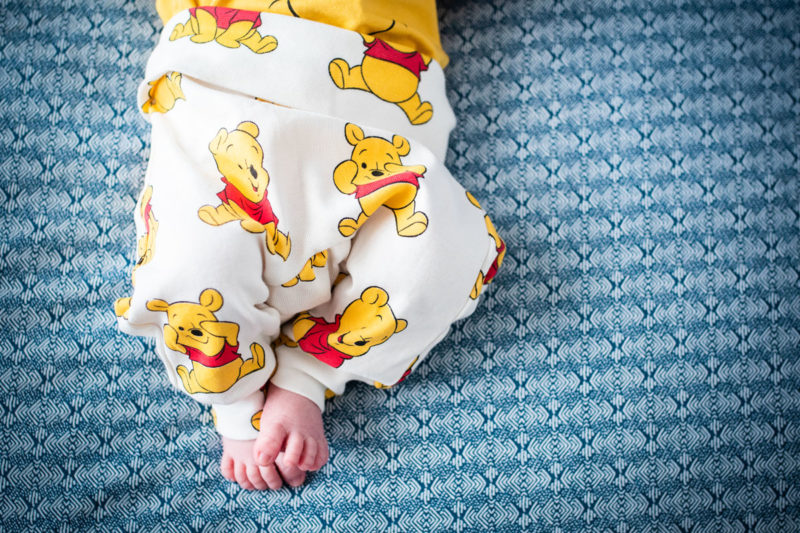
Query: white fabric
<point>427,278</point>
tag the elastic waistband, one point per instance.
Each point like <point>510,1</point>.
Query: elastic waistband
<point>306,65</point>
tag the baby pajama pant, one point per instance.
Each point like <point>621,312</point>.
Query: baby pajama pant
<point>296,222</point>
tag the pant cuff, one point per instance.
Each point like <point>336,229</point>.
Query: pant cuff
<point>240,420</point>
<point>298,382</point>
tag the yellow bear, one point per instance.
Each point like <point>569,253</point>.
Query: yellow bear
<point>122,307</point>
<point>229,27</point>
<point>375,176</point>
<point>379,385</point>
<point>163,93</point>
<point>319,260</point>
<point>255,420</point>
<point>240,159</point>
<point>366,322</point>
<point>391,74</point>
<point>146,246</point>
<point>211,345</point>
<point>500,246</point>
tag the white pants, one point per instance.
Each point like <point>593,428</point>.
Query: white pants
<point>310,239</point>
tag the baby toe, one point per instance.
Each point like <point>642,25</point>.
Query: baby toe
<point>323,454</point>
<point>254,475</point>
<point>294,450</point>
<point>269,444</point>
<point>240,472</point>
<point>226,468</point>
<point>291,474</point>
<point>309,457</point>
<point>270,475</point>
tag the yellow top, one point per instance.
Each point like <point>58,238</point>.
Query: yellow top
<point>410,24</point>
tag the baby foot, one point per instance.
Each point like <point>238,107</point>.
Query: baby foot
<point>293,424</point>
<point>238,466</point>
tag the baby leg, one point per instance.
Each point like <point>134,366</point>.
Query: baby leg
<point>291,422</point>
<point>398,299</point>
<point>202,296</point>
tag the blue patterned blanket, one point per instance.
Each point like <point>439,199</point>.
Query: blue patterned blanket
<point>633,367</point>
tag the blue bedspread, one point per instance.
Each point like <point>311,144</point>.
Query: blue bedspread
<point>634,367</point>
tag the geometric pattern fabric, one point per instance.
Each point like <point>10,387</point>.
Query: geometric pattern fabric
<point>634,366</point>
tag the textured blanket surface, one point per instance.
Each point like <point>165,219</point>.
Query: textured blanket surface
<point>634,366</point>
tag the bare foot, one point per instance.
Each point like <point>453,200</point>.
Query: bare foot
<point>293,424</point>
<point>238,466</point>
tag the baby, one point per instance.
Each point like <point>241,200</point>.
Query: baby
<point>297,229</point>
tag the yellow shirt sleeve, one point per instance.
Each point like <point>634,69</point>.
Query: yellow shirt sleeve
<point>411,23</point>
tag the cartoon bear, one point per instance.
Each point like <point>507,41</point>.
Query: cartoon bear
<point>163,93</point>
<point>229,27</point>
<point>379,385</point>
<point>122,307</point>
<point>500,245</point>
<point>211,345</point>
<point>240,159</point>
<point>374,174</point>
<point>255,420</point>
<point>146,245</point>
<point>364,323</point>
<point>391,74</point>
<point>319,260</point>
